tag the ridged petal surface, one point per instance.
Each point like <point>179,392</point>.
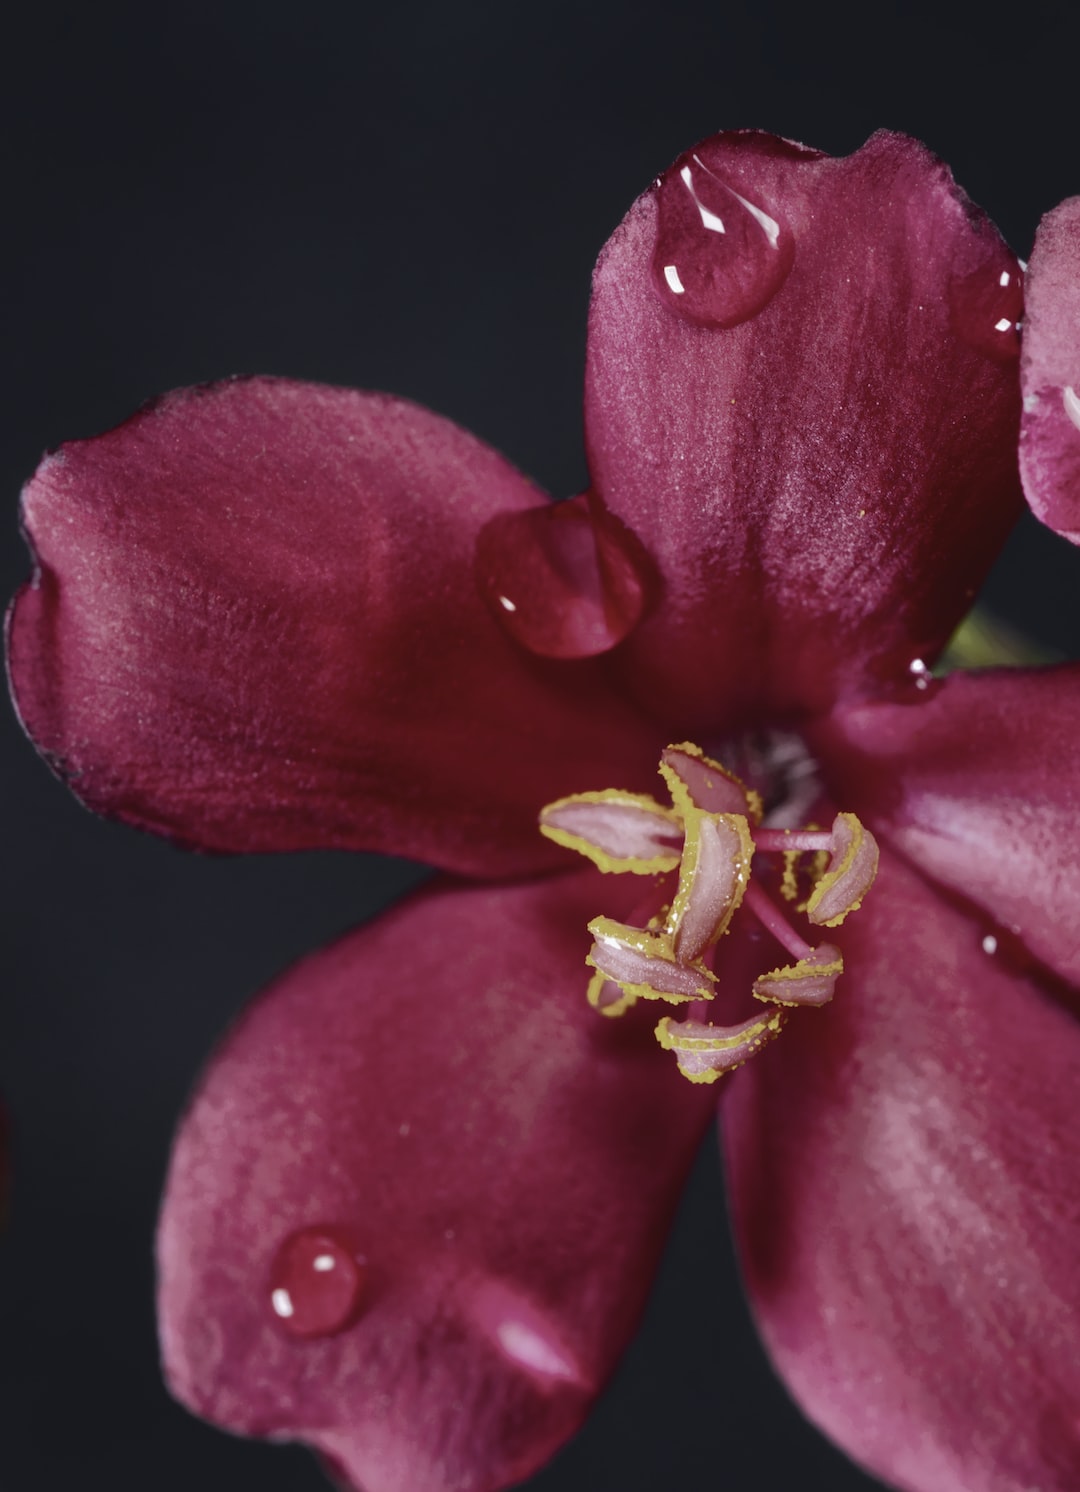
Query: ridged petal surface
<point>436,1089</point>
<point>905,1175</point>
<point>254,626</point>
<point>824,483</point>
<point>977,782</point>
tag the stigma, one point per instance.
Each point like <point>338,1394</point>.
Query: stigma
<point>701,850</point>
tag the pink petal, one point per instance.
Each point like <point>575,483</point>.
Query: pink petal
<point>1050,373</point>
<point>432,1096</point>
<point>255,626</point>
<point>904,1169</point>
<point>978,783</point>
<point>824,482</point>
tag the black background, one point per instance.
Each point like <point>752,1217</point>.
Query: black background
<point>409,200</point>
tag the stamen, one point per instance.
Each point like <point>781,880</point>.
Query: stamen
<point>811,981</point>
<point>604,995</point>
<point>850,874</point>
<point>771,841</point>
<point>713,878</point>
<point>704,1053</point>
<point>617,831</point>
<point>711,834</point>
<point>696,781</point>
<point>642,964</point>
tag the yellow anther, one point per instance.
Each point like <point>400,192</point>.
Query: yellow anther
<point>789,884</point>
<point>644,966</point>
<point>713,877</point>
<point>704,1053</point>
<point>706,785</point>
<point>809,981</point>
<point>597,984</point>
<point>612,828</point>
<point>852,868</point>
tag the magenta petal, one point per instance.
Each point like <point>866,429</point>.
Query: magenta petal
<point>1050,373</point>
<point>824,477</point>
<point>905,1174</point>
<point>978,783</point>
<point>254,626</point>
<point>433,1098</point>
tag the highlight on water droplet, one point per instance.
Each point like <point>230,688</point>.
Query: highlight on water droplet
<point>720,256</point>
<point>565,580</point>
<point>987,305</point>
<point>920,673</point>
<point>317,1283</point>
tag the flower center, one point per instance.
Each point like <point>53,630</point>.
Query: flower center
<point>710,836</point>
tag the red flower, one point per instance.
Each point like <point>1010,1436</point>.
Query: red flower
<point>415,1205</point>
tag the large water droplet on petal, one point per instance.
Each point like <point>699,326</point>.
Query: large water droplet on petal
<point>316,1283</point>
<point>720,257</point>
<point>986,306</point>
<point>565,580</point>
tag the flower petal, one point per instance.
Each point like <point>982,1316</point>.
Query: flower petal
<point>824,483</point>
<point>977,782</point>
<point>435,1093</point>
<point>255,626</point>
<point>904,1168</point>
<point>1050,373</point>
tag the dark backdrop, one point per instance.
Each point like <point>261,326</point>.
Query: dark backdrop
<point>408,200</point>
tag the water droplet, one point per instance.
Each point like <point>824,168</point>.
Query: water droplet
<point>920,673</point>
<point>987,305</point>
<point>564,580</point>
<point>316,1283</point>
<point>989,944</point>
<point>719,257</point>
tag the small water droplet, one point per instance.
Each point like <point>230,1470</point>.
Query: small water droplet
<point>989,944</point>
<point>920,673</point>
<point>986,306</point>
<point>316,1283</point>
<point>564,580</point>
<point>719,257</point>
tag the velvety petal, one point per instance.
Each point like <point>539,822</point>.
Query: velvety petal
<point>977,781</point>
<point>823,483</point>
<point>436,1091</point>
<point>905,1174</point>
<point>254,625</point>
<point>1050,373</point>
